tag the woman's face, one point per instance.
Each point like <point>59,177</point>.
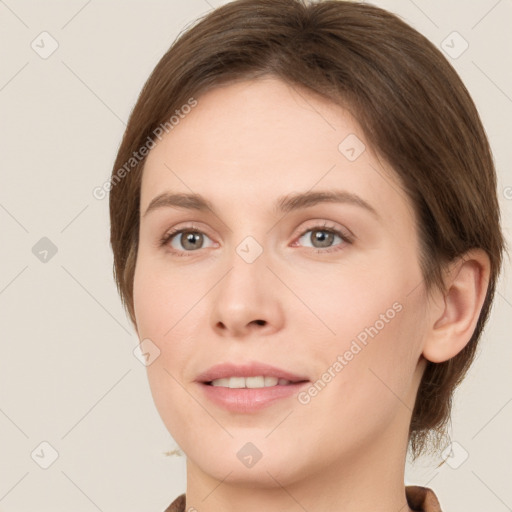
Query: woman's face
<point>330,292</point>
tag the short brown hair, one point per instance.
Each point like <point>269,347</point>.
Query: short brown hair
<point>410,103</point>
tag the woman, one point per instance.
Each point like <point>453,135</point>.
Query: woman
<point>306,233</point>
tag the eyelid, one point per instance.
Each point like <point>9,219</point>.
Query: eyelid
<point>328,226</point>
<point>344,233</point>
<point>187,227</point>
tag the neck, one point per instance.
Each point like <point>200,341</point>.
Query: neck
<point>367,479</point>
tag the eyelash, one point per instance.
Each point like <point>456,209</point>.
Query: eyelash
<point>347,239</point>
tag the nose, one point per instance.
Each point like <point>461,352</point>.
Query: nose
<point>248,299</point>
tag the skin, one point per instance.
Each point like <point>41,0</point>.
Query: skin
<point>243,146</point>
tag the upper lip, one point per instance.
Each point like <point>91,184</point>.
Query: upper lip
<point>250,369</point>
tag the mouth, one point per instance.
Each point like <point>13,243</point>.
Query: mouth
<point>250,387</point>
<point>255,382</point>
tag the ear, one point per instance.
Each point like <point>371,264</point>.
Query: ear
<point>454,315</point>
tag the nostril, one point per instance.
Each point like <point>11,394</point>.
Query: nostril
<point>260,322</point>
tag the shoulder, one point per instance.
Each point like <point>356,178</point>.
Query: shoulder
<point>178,505</point>
<point>422,499</point>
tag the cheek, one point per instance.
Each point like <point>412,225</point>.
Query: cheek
<point>167,307</point>
<point>161,304</point>
<point>163,299</point>
<point>353,302</point>
<point>370,345</point>
<point>369,367</point>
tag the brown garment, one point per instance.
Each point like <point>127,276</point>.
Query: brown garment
<point>421,499</point>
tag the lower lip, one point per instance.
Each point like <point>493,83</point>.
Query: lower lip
<point>249,399</point>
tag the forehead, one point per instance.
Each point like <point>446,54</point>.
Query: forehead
<point>248,143</point>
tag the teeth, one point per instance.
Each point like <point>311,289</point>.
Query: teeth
<point>249,382</point>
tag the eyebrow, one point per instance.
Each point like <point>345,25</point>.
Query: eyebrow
<point>284,204</point>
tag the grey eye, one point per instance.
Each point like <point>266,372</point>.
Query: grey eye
<point>190,240</point>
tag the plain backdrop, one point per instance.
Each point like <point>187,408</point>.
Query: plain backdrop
<point>73,397</point>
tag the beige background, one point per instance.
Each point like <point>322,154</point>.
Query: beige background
<point>68,376</point>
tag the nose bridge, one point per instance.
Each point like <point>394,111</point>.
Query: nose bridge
<point>250,249</point>
<point>244,295</point>
<point>247,263</point>
<point>247,250</point>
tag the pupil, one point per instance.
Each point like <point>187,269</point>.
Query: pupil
<point>191,238</point>
<point>323,236</point>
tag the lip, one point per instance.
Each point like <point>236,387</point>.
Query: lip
<point>248,400</point>
<point>251,369</point>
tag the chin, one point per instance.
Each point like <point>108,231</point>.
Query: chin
<point>259,463</point>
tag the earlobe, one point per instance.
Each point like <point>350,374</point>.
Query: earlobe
<point>453,323</point>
